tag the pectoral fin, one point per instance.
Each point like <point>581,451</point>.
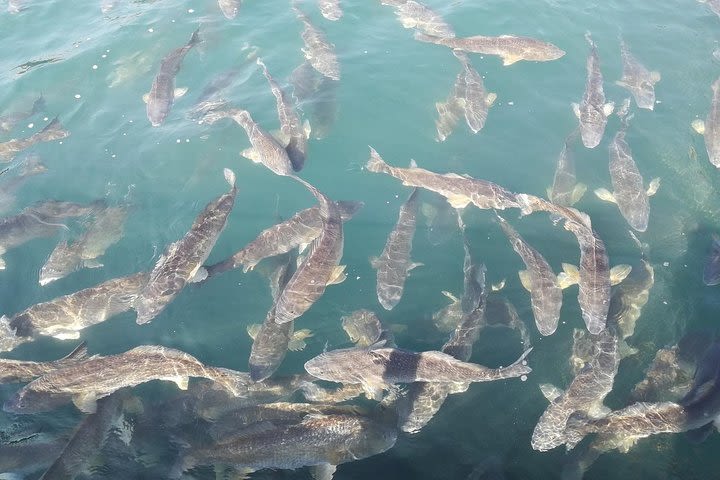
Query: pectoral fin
<point>146,97</point>
<point>324,471</point>
<point>458,201</point>
<point>608,108</point>
<point>449,295</point>
<point>653,186</point>
<point>374,262</point>
<point>569,276</point>
<point>577,193</point>
<point>618,273</point>
<point>496,287</point>
<point>253,330</point>
<point>550,392</point>
<point>307,129</point>
<point>525,280</point>
<point>373,391</point>
<point>251,154</point>
<point>699,126</point>
<point>93,263</point>
<point>181,382</point>
<point>510,59</point>
<point>338,275</point>
<point>297,342</point>
<point>179,92</point>
<point>67,335</point>
<point>415,265</point>
<point>576,109</point>
<point>85,402</point>
<point>605,195</point>
<point>490,99</point>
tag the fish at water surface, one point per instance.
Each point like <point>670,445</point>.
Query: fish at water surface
<point>20,371</point>
<point>330,9</point>
<point>710,128</point>
<point>412,14</point>
<point>593,112</point>
<point>52,131</point>
<point>229,8</point>
<point>637,79</point>
<point>182,259</point>
<point>364,328</point>
<point>565,190</point>
<point>319,52</point>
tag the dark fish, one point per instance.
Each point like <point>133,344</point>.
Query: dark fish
<point>667,375</point>
<point>459,190</point>
<point>317,95</point>
<point>294,132</point>
<point>64,317</point>
<point>320,267</point>
<point>474,99</point>
<point>711,270</point>
<point>19,371</point>
<point>710,128</point>
<point>637,79</point>
<point>416,15</point>
<point>330,9</point>
<point>52,131</point>
<point>565,190</point>
<point>593,112</point>
<point>11,120</point>
<point>25,458</point>
<point>318,51</point>
<point>86,381</point>
<point>499,312</point>
<point>183,259</point>
<point>509,47</point>
<point>162,93</point>
<point>539,279</point>
<point>394,263</point>
<point>298,231</point>
<point>229,8</point>
<point>377,368</point>
<point>630,193</point>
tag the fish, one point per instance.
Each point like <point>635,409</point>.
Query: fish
<point>499,312</point>
<point>318,441</point>
<point>21,371</point>
<point>11,120</point>
<point>630,296</point>
<point>377,368</point>
<point>667,375</point>
<point>298,231</point>
<point>317,95</point>
<point>294,132</point>
<point>162,92</point>
<point>538,279</point>
<point>364,328</point>
<point>585,394</point>
<point>64,317</point>
<point>102,233</point>
<point>711,268</point>
<point>708,128</point>
<point>473,97</point>
<point>182,259</point>
<point>229,8</point>
<point>39,220</point>
<point>85,382</point>
<point>592,111</point>
<point>315,393</point>
<point>88,438</point>
<point>52,131</point>
<point>510,48</point>
<point>26,458</point>
<point>565,190</point>
<point>394,264</point>
<point>265,148</point>
<point>630,193</point>
<point>320,267</point>
<point>330,9</point>
<point>416,15</point>
<point>440,219</point>
<point>459,190</point>
<point>30,167</point>
<point>318,51</point>
<point>637,79</point>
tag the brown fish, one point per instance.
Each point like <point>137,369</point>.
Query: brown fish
<point>318,50</point>
<point>19,371</point>
<point>52,131</point>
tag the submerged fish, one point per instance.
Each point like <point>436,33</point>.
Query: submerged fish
<point>364,328</point>
<point>320,267</point>
<point>637,79</point>
<point>11,120</point>
<point>318,51</point>
<point>508,47</point>
<point>229,8</point>
<point>711,269</point>
<point>377,368</point>
<point>31,166</point>
<point>412,14</point>
<point>162,93</point>
<point>317,95</point>
<point>630,296</point>
<point>565,190</point>
<point>665,378</point>
<point>182,259</point>
<point>440,218</point>
<point>86,381</point>
<point>330,9</point>
<point>539,279</point>
<point>593,112</point>
<point>64,317</point>
<point>298,231</point>
<point>394,263</point>
<point>710,128</point>
<point>19,371</point>
<point>319,441</point>
<point>294,132</point>
<point>26,458</point>
<point>630,193</point>
<point>499,312</point>
<point>459,190</point>
<point>52,131</point>
<point>105,231</point>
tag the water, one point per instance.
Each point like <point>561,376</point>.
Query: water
<point>386,99</point>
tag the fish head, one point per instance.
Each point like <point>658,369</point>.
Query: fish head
<point>32,401</point>
<point>331,366</point>
<point>373,438</point>
<point>61,263</point>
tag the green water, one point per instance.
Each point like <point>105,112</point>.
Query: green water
<point>386,98</point>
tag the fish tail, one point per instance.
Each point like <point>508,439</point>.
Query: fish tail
<point>229,177</point>
<point>376,163</point>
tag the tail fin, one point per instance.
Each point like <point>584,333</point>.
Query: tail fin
<point>376,163</point>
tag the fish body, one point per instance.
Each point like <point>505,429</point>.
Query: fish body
<point>377,368</point>
<point>291,126</point>
<point>473,97</point>
<point>11,120</point>
<point>20,371</point>
<point>637,79</point>
<point>52,131</point>
<point>593,112</point>
<point>85,382</point>
<point>711,269</point>
<point>182,259</point>
<point>363,327</point>
<point>330,9</point>
<point>162,91</point>
<point>412,14</point>
<point>319,52</point>
<point>459,190</point>
<point>299,230</point>
<point>565,190</point>
<point>394,263</point>
<point>710,128</point>
<point>229,8</point>
<point>508,47</point>
<point>105,231</point>
<point>539,279</point>
<point>321,266</point>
